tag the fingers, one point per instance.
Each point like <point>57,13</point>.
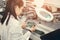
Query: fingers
<point>33,28</point>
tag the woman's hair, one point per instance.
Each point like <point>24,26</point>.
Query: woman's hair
<point>10,8</point>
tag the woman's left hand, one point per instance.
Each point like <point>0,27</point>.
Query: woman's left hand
<point>24,25</point>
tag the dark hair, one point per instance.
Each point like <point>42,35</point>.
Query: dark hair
<point>10,9</point>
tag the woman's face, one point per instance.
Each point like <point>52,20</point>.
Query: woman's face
<point>18,10</point>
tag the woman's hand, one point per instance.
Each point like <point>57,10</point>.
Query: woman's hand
<point>24,25</point>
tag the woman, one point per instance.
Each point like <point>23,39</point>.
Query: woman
<point>13,29</point>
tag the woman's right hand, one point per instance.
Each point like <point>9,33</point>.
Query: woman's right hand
<point>33,28</point>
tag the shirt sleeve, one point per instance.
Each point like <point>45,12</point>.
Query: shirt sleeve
<point>16,32</point>
<point>20,36</point>
<point>26,36</point>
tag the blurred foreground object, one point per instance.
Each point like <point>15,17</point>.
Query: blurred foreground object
<point>50,7</point>
<point>55,35</point>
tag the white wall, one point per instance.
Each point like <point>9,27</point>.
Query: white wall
<point>54,2</point>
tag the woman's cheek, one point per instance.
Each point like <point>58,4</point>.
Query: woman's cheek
<point>18,10</point>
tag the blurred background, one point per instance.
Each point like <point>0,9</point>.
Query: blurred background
<point>52,6</point>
